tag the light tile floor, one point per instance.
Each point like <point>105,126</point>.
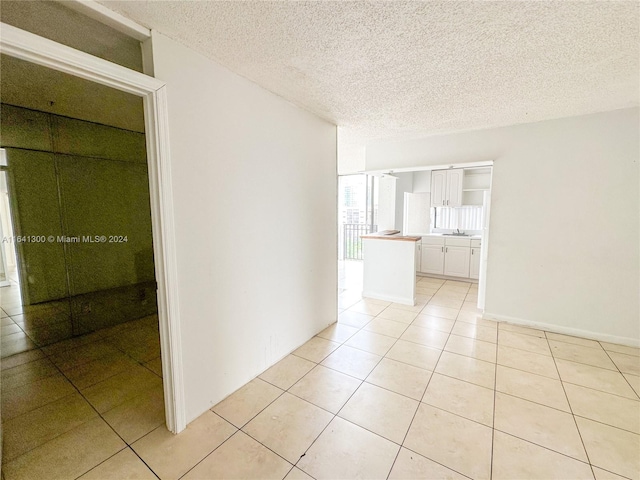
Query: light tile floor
<point>80,403</point>
<point>390,391</point>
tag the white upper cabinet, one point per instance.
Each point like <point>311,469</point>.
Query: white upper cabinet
<point>446,187</point>
<point>454,187</point>
<point>438,188</point>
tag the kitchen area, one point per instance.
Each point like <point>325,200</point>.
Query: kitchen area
<point>441,216</point>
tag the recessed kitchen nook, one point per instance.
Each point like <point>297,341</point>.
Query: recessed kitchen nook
<point>444,216</point>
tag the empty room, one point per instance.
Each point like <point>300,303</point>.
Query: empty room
<point>437,205</point>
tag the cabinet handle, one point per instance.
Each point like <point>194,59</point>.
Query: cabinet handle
<point>442,202</point>
<point>446,250</point>
<point>447,202</point>
<point>472,251</point>
<point>442,249</point>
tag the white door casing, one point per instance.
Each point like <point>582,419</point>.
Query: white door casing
<point>35,49</point>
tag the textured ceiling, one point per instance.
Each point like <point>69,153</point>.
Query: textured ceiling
<point>408,69</point>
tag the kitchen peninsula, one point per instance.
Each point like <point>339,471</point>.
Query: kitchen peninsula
<point>390,267</point>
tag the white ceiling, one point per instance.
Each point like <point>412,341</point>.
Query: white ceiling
<point>409,69</point>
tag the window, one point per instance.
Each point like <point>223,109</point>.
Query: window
<point>463,218</point>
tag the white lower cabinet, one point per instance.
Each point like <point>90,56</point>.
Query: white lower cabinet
<point>456,261</point>
<point>474,263</point>
<point>432,260</point>
<point>453,257</point>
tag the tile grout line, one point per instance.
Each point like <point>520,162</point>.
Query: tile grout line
<point>495,394</point>
<point>575,422</point>
<point>99,415</point>
<point>622,373</point>
<point>404,439</point>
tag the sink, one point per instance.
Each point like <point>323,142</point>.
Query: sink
<point>456,234</point>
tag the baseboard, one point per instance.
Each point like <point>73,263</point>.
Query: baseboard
<point>389,298</point>
<point>575,332</point>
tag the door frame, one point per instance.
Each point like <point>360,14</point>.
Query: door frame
<point>32,48</point>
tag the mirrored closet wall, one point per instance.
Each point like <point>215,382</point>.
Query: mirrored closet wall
<point>77,252</point>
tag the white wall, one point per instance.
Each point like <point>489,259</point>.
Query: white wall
<point>422,181</point>
<point>386,203</point>
<point>404,184</point>
<point>564,246</point>
<point>254,185</point>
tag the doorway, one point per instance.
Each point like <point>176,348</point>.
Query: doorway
<point>357,216</point>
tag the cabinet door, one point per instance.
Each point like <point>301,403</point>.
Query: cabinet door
<point>438,188</point>
<point>418,256</point>
<point>454,187</point>
<point>456,261</point>
<point>432,260</point>
<point>474,264</point>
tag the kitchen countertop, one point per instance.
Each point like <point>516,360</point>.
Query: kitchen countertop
<point>473,237</point>
<point>387,235</point>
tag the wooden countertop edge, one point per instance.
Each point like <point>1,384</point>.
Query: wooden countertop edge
<point>400,238</point>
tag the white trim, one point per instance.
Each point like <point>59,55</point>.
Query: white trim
<point>32,48</point>
<point>102,14</point>
<point>575,332</point>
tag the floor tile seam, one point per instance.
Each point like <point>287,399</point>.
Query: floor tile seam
<point>140,458</point>
<point>5,420</point>
<point>474,323</point>
<point>623,376</point>
<point>422,344</point>
<point>543,446</point>
<point>76,365</point>
<point>411,364</point>
<point>522,333</point>
<point>601,391</point>
<point>466,356</point>
<point>393,391</point>
<point>637,434</point>
<point>570,412</point>
<point>98,415</point>
<point>49,401</point>
<point>271,449</point>
<point>493,418</point>
<point>616,370</point>
<point>599,348</point>
<point>476,340</point>
<point>456,414</point>
<point>100,381</point>
<point>17,325</point>
<point>424,393</point>
<point>372,331</point>
<point>143,392</point>
<point>219,446</point>
<point>95,408</point>
<point>470,356</point>
<point>524,350</point>
<point>282,392</point>
<point>319,406</point>
<point>69,369</point>
<point>25,452</point>
<point>399,445</point>
<point>367,351</point>
<point>435,461</point>
<point>5,389</point>
<point>575,422</point>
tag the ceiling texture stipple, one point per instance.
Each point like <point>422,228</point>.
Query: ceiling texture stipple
<point>406,69</point>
